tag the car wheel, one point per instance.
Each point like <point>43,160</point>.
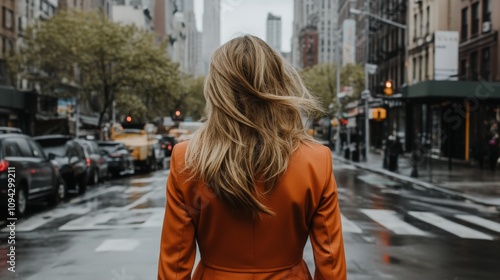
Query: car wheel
<point>21,201</point>
<point>82,184</point>
<point>95,176</point>
<point>60,193</point>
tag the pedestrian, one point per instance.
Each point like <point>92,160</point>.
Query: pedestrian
<point>494,152</point>
<point>252,185</point>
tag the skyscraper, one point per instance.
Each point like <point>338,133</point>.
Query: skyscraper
<point>322,15</point>
<point>211,31</point>
<point>273,31</point>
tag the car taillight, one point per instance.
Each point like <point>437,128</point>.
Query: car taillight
<point>88,161</point>
<point>169,147</point>
<point>3,165</point>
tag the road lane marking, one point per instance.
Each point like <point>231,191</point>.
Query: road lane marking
<point>348,226</point>
<point>88,222</point>
<point>449,226</point>
<point>390,220</point>
<point>118,245</point>
<point>156,220</point>
<point>494,226</point>
<point>41,219</point>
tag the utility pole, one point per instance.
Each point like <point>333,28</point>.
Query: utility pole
<point>339,113</point>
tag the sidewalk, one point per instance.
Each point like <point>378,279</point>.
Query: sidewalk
<point>469,183</point>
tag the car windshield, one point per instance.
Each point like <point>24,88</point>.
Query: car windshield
<point>59,151</point>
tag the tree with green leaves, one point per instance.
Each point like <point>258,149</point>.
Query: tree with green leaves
<point>321,80</point>
<point>95,55</point>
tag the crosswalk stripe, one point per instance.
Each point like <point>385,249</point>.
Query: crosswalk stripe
<point>449,226</point>
<point>118,245</point>
<point>494,226</point>
<point>41,219</point>
<point>88,222</point>
<point>390,220</point>
<point>348,226</point>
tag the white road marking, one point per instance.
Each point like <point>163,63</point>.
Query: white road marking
<point>348,226</point>
<point>390,220</point>
<point>41,219</point>
<point>118,245</point>
<point>156,220</point>
<point>88,222</point>
<point>376,180</point>
<point>89,196</point>
<point>494,226</point>
<point>449,226</point>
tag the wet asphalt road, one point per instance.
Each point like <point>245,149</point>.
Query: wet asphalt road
<point>391,231</point>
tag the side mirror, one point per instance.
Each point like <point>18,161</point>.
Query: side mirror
<point>52,156</point>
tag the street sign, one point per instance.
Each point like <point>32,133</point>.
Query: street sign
<point>371,68</point>
<point>365,94</point>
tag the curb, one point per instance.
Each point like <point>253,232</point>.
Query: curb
<point>407,179</point>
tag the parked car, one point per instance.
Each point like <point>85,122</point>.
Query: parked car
<point>118,156</point>
<point>98,162</point>
<point>70,157</point>
<point>6,129</point>
<point>23,161</point>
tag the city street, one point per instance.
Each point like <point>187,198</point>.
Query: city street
<point>391,231</point>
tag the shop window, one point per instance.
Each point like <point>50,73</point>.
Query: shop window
<point>485,64</point>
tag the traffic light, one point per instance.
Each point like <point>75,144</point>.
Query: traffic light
<point>379,114</point>
<point>128,119</point>
<point>388,87</point>
<point>343,121</point>
<point>177,113</point>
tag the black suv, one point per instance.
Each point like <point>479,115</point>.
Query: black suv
<point>24,164</point>
<point>70,157</point>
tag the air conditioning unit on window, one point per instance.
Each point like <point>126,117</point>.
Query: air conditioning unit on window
<point>486,26</point>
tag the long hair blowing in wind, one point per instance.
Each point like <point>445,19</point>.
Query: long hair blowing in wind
<point>253,123</point>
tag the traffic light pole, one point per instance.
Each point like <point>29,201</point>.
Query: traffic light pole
<point>339,113</point>
<point>367,99</point>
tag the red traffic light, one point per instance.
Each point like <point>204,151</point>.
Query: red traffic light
<point>388,87</point>
<point>128,119</point>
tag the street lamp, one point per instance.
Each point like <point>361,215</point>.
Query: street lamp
<point>366,92</point>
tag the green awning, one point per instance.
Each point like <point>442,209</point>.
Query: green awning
<point>480,90</point>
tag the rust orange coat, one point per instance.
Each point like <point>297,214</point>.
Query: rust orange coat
<point>233,246</point>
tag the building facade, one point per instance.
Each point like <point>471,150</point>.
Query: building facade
<point>211,31</point>
<point>479,52</point>
<point>273,31</point>
<point>327,26</point>
<point>308,39</point>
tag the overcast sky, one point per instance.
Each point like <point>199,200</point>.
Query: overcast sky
<point>249,16</point>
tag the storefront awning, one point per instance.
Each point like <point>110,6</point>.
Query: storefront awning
<point>480,90</point>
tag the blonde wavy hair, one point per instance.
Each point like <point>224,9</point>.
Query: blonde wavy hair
<point>253,123</point>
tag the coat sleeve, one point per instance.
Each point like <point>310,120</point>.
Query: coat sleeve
<point>326,232</point>
<point>178,247</point>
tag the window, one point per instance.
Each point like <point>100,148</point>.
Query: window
<point>420,68</point>
<point>37,151</point>
<point>473,66</point>
<point>475,19</point>
<point>415,20</point>
<point>414,69</point>
<point>8,18</point>
<point>20,24</point>
<point>486,10</point>
<point>421,24</point>
<point>24,147</point>
<point>463,69</point>
<point>11,148</point>
<point>426,66</point>
<point>485,64</point>
<point>465,26</point>
<point>427,25</point>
